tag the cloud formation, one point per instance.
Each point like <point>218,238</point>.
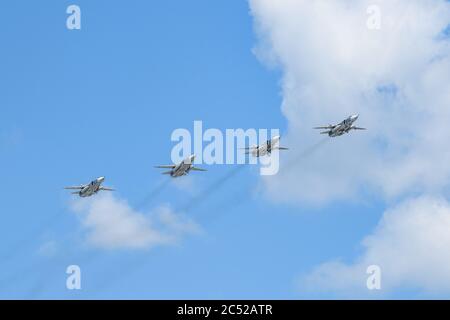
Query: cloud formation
<point>410,245</point>
<point>397,78</point>
<point>111,223</point>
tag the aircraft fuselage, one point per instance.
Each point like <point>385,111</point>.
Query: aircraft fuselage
<point>266,148</point>
<point>92,188</point>
<point>343,127</point>
<point>181,169</point>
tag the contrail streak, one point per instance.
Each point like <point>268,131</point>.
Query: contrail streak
<point>197,200</point>
<point>36,268</point>
<point>193,203</point>
<point>225,207</point>
<point>209,191</point>
<point>153,194</point>
<point>307,152</point>
<point>246,195</point>
<point>46,278</point>
<point>39,287</point>
<point>47,224</point>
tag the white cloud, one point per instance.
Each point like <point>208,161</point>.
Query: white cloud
<point>411,246</point>
<point>397,78</point>
<point>111,223</point>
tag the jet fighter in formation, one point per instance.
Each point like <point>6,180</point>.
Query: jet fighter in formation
<point>182,168</point>
<point>185,166</point>
<point>342,127</point>
<point>266,148</point>
<point>87,190</point>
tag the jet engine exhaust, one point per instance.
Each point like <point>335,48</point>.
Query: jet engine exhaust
<point>215,186</point>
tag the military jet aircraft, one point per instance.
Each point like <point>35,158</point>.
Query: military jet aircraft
<point>265,148</point>
<point>87,190</point>
<point>341,128</point>
<point>181,169</point>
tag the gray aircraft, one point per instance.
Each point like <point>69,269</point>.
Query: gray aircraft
<point>87,190</point>
<point>181,169</point>
<point>266,148</point>
<point>341,128</point>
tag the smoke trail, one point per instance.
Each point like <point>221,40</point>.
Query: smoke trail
<point>37,268</point>
<point>154,193</point>
<point>65,260</point>
<point>193,203</point>
<point>39,287</point>
<point>306,153</point>
<point>225,207</point>
<point>131,265</point>
<point>209,191</point>
<point>246,195</point>
<point>196,201</point>
<point>24,242</point>
<point>47,225</point>
<point>237,200</point>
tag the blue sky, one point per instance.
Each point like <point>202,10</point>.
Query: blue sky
<point>103,101</point>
